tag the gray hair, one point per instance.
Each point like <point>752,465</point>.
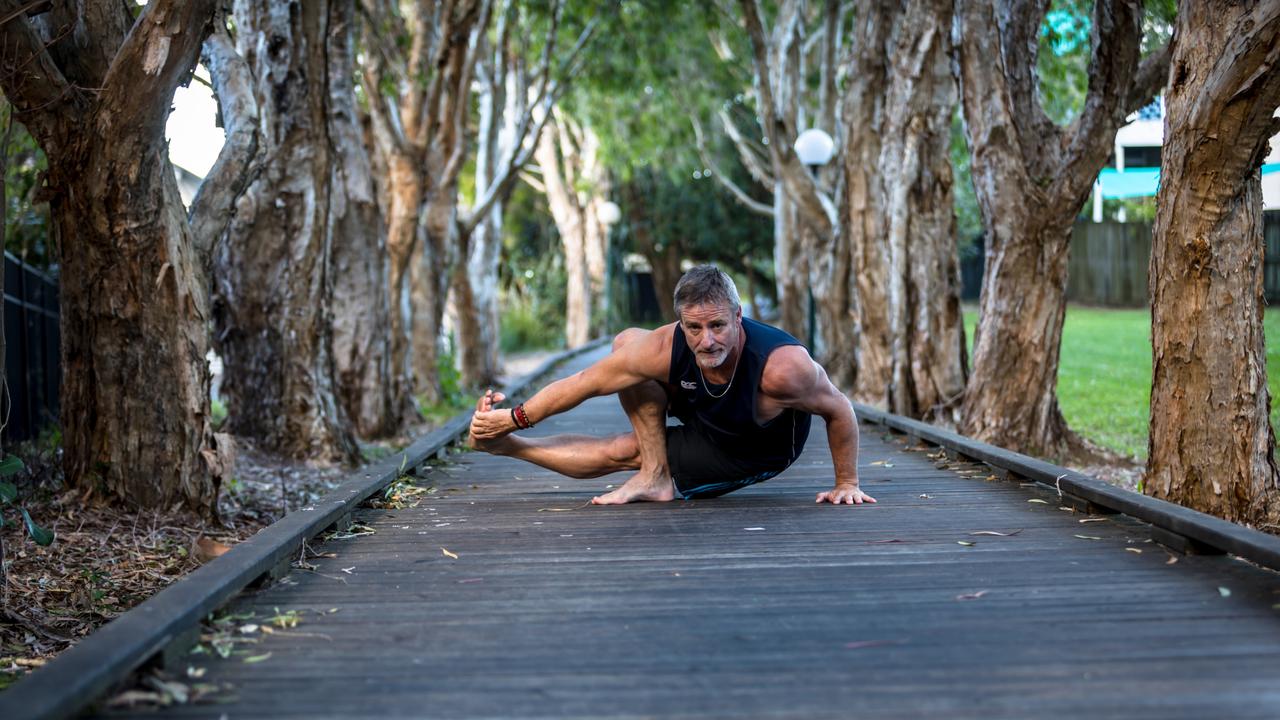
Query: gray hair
<point>706,285</point>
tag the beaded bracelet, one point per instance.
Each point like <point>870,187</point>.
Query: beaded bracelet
<point>520,417</point>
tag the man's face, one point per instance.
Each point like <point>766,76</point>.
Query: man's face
<point>712,332</point>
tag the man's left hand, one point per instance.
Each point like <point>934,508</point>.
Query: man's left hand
<point>845,493</point>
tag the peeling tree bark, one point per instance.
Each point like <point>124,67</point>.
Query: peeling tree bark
<point>911,357</point>
<point>135,397</point>
<point>1211,443</point>
<point>368,390</point>
<point>274,277</point>
<point>419,131</point>
<point>1031,178</point>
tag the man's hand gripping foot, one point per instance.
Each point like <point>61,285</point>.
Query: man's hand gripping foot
<point>489,426</point>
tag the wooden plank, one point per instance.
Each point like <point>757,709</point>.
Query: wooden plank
<point>80,674</point>
<point>686,609</point>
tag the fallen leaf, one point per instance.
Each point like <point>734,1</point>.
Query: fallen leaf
<point>195,672</point>
<point>470,580</point>
<point>858,644</point>
<point>879,463</point>
<point>1088,537</point>
<point>1085,520</point>
<point>972,596</point>
<point>1038,500</point>
<point>208,549</point>
<point>881,542</point>
<point>1134,550</point>
<point>753,528</point>
<point>966,543</point>
<point>1171,560</point>
<point>1224,591</point>
<point>888,464</point>
<point>554,509</point>
<point>248,629</point>
<point>449,554</point>
<point>926,496</point>
<point>348,570</point>
<point>257,658</point>
<point>997,534</point>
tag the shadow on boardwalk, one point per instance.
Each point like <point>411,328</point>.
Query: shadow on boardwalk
<point>757,604</point>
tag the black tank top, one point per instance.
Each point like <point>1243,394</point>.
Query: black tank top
<point>730,420</point>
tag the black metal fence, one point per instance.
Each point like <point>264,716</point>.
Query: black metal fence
<point>1108,265</point>
<point>33,367</point>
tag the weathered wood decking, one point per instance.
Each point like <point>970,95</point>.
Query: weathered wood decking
<point>758,604</point>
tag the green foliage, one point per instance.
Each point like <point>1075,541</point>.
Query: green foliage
<point>531,276</point>
<point>11,465</point>
<point>26,217</point>
<point>218,412</point>
<point>453,398</point>
<point>964,197</point>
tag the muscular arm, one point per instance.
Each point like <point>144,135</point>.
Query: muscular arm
<point>792,379</point>
<point>646,357</point>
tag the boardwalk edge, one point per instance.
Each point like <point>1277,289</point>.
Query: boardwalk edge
<point>1202,529</point>
<point>75,679</point>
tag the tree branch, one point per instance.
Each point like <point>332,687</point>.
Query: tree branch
<point>237,163</point>
<point>816,209</point>
<point>42,97</point>
<point>742,197</point>
<point>1149,81</point>
<point>157,54</point>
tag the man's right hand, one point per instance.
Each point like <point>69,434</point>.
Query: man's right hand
<point>489,423</point>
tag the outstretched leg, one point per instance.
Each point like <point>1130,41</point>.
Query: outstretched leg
<point>584,456</point>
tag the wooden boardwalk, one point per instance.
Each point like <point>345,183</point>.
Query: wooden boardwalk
<point>758,604</point>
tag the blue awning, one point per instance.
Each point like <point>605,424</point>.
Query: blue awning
<point>1142,182</point>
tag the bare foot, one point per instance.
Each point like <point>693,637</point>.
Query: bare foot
<point>642,487</point>
<point>494,446</point>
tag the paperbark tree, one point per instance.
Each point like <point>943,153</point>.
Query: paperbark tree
<point>1031,177</point>
<point>373,396</point>
<point>1211,444</point>
<point>897,210</point>
<point>419,102</point>
<point>576,185</point>
<point>273,274</point>
<point>93,84</point>
<point>516,95</point>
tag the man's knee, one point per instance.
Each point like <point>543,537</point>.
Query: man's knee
<point>628,335</point>
<point>624,450</point>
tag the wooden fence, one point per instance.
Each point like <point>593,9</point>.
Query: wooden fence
<point>1108,265</point>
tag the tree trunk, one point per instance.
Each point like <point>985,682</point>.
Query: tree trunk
<point>1031,178</point>
<point>431,273</point>
<point>475,292</point>
<point>274,280</point>
<point>664,261</point>
<point>404,184</point>
<point>1211,445</point>
<point>373,396</point>
<point>911,357</point>
<point>135,396</point>
<point>565,154</point>
<point>791,267</point>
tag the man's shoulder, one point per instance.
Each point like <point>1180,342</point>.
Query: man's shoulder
<point>788,371</point>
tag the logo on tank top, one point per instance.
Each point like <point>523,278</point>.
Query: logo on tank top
<point>688,385</point>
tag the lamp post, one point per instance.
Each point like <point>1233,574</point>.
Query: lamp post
<point>815,149</point>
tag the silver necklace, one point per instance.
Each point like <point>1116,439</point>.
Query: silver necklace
<point>736,362</point>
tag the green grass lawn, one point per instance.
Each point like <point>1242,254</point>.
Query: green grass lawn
<point>1104,377</point>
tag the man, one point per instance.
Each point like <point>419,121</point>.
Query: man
<point>745,392</point>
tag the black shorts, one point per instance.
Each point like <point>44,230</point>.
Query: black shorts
<point>701,469</point>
